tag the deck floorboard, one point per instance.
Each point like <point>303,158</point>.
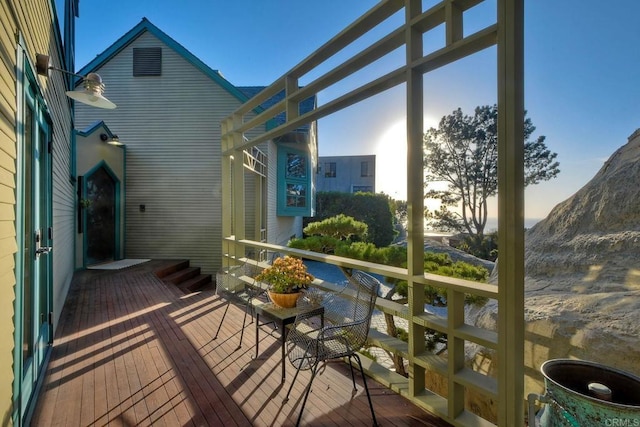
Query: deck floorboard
<point>133,350</point>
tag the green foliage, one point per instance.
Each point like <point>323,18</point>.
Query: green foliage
<point>443,265</point>
<point>366,353</point>
<point>402,334</point>
<point>399,207</point>
<point>432,337</point>
<point>372,209</point>
<point>390,255</point>
<point>482,247</point>
<point>463,153</point>
<point>340,227</point>
<point>321,244</point>
<point>436,263</point>
<point>360,250</point>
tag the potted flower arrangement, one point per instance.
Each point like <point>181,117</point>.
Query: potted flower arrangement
<point>286,277</point>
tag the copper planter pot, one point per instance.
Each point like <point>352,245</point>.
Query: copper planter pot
<point>284,300</point>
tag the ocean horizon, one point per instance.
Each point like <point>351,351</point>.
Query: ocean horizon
<point>492,225</point>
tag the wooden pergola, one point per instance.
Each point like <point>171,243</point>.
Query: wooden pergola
<point>507,35</point>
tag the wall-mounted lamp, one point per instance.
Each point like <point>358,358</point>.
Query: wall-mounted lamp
<point>89,93</point>
<point>111,140</point>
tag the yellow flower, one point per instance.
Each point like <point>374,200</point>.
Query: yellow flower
<point>286,275</point>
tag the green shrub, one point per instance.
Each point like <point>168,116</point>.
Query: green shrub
<point>341,227</point>
<point>321,244</point>
<point>372,209</point>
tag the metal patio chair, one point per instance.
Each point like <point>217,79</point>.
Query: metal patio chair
<point>237,283</point>
<point>339,332</point>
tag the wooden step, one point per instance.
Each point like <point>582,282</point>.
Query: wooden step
<point>188,279</point>
<point>170,267</point>
<point>195,283</point>
<point>182,275</point>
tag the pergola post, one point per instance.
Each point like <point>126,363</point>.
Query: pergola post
<point>511,212</point>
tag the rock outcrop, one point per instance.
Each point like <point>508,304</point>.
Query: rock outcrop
<point>582,285</point>
<point>456,254</point>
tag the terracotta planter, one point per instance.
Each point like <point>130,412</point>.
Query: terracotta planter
<point>284,300</point>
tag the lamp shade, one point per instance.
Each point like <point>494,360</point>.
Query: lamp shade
<point>90,92</point>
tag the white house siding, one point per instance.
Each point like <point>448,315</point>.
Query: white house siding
<point>171,126</point>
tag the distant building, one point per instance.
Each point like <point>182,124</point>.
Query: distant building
<point>346,174</point>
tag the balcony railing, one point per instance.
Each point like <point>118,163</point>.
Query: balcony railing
<point>506,34</point>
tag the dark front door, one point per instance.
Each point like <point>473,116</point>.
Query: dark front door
<point>100,205</point>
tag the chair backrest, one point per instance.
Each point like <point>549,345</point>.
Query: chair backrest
<point>367,288</point>
<point>346,318</point>
<point>353,312</point>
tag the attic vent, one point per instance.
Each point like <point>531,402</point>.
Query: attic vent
<point>147,61</point>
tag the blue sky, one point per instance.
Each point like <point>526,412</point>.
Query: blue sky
<point>582,72</point>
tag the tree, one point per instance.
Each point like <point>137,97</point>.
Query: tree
<point>372,209</point>
<point>326,235</point>
<point>334,235</point>
<point>463,153</point>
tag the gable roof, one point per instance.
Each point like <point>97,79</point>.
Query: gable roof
<point>243,93</point>
<point>95,126</point>
<point>137,31</point>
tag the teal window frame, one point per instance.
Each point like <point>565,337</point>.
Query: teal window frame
<point>292,180</point>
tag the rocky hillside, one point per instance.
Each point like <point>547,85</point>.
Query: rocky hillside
<point>595,234</point>
<point>583,273</point>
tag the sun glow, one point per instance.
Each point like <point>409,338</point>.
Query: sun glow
<point>391,161</point>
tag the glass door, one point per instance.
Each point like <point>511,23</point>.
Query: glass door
<point>101,189</point>
<point>33,296</point>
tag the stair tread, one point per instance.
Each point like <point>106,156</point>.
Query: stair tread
<point>196,282</point>
<point>171,267</point>
<point>183,276</point>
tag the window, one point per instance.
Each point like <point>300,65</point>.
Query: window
<point>365,170</point>
<point>147,61</point>
<point>330,170</point>
<point>295,175</point>
<point>294,183</point>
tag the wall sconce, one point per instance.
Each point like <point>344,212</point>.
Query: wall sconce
<point>89,93</point>
<point>111,140</point>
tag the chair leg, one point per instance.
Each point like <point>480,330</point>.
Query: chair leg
<point>293,381</point>
<point>222,320</point>
<point>244,323</point>
<point>353,377</point>
<point>364,380</point>
<point>306,393</point>
<point>286,399</point>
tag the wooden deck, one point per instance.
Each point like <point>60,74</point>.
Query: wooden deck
<point>131,350</point>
